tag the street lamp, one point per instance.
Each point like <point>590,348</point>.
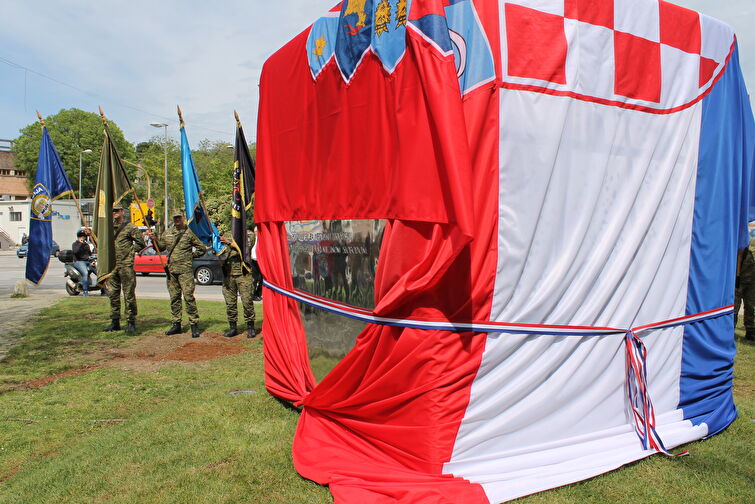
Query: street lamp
<point>85,151</point>
<point>165,175</point>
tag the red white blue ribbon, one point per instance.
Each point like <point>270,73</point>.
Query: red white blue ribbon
<point>640,404</point>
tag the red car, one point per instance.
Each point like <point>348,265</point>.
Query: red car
<point>147,261</point>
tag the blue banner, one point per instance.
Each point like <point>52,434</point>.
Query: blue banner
<point>196,214</point>
<point>51,183</point>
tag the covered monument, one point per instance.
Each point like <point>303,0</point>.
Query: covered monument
<point>524,216</point>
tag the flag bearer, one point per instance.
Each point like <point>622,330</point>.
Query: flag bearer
<point>181,245</point>
<point>123,277</point>
<point>745,290</point>
<point>238,281</point>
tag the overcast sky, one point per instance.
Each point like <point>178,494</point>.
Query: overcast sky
<point>140,58</point>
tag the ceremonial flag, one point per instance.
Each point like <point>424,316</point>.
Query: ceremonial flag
<point>196,213</point>
<point>51,183</point>
<point>243,189</point>
<point>619,134</point>
<point>112,185</point>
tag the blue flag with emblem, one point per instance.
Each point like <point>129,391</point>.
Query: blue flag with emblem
<point>196,213</point>
<point>50,184</point>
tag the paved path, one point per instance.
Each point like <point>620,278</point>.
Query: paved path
<point>15,314</point>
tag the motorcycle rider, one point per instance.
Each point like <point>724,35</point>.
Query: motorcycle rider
<point>81,255</point>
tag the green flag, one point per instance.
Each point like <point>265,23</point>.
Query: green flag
<point>112,186</point>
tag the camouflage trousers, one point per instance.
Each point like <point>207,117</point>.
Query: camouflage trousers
<point>234,286</point>
<point>122,278</point>
<point>182,283</point>
<point>745,292</point>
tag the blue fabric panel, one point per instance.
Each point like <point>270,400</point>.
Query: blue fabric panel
<point>435,28</point>
<point>354,35</point>
<point>722,209</point>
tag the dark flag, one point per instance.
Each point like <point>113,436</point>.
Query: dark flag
<point>243,190</point>
<point>112,185</point>
<point>51,183</point>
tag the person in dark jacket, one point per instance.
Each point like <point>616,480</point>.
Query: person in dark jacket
<point>81,254</point>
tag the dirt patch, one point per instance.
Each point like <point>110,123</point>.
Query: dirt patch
<point>47,380</point>
<point>156,350</point>
<point>153,351</point>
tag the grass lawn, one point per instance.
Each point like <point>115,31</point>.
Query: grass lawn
<point>150,426</point>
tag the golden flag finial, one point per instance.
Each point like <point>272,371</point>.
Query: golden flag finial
<point>102,115</point>
<point>41,119</point>
<point>238,121</point>
<point>180,116</point>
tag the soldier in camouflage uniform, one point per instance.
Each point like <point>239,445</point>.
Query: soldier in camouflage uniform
<point>238,281</point>
<point>745,290</point>
<point>181,245</point>
<point>123,277</point>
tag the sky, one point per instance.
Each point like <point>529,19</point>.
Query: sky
<point>139,59</point>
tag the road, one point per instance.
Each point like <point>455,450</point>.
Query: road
<point>153,286</point>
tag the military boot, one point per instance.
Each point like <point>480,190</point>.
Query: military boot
<point>115,325</point>
<point>232,331</point>
<point>131,327</point>
<point>174,329</point>
<point>195,331</point>
<point>250,332</point>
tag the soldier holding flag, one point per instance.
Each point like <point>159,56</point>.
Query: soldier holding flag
<point>116,237</point>
<point>123,277</point>
<point>182,246</point>
<point>238,279</point>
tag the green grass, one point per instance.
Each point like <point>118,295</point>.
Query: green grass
<point>174,435</point>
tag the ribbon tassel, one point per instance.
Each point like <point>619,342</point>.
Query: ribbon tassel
<point>638,396</point>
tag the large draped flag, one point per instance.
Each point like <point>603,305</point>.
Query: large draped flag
<point>50,184</point>
<point>112,185</point>
<point>600,157</point>
<point>196,213</point>
<point>243,190</point>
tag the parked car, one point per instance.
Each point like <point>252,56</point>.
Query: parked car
<point>23,250</point>
<point>208,269</point>
<point>147,261</point>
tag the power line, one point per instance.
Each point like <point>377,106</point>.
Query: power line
<point>96,95</point>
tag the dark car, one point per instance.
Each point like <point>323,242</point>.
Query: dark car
<point>208,269</point>
<point>23,250</point>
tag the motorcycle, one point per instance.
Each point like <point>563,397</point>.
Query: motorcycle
<point>73,283</point>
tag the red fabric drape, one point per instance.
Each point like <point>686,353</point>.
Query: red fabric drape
<point>405,147</point>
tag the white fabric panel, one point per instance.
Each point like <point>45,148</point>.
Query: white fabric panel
<point>550,6</point>
<point>516,473</point>
<point>595,221</point>
<point>627,18</point>
<point>592,72</point>
<point>676,62</point>
<point>716,38</point>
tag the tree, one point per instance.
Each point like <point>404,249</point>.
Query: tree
<point>72,131</point>
<point>151,156</point>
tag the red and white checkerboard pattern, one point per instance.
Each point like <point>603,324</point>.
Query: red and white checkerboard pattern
<point>648,55</point>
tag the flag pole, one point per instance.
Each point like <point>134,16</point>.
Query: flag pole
<point>136,196</point>
<point>73,195</point>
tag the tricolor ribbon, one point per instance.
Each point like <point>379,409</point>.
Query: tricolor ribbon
<point>640,404</point>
